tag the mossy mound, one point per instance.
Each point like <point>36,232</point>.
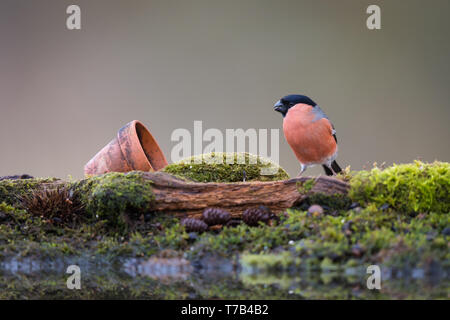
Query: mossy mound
<point>115,196</point>
<point>418,187</point>
<point>214,167</point>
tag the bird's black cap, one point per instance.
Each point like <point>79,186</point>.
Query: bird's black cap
<point>291,100</point>
<point>294,99</point>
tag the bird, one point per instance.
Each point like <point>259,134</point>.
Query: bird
<point>309,133</point>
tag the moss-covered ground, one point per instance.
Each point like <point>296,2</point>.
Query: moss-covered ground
<point>396,217</point>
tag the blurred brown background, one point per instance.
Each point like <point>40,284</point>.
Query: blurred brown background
<point>64,94</point>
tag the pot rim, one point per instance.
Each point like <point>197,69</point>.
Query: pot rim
<point>136,129</point>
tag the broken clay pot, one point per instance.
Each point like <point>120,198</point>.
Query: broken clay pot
<point>134,148</point>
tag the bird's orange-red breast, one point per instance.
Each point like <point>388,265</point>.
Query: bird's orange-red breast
<point>311,139</point>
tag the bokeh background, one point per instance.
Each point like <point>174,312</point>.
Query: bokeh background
<point>64,94</point>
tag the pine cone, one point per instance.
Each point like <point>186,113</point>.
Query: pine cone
<point>252,216</point>
<point>213,216</point>
<point>194,225</point>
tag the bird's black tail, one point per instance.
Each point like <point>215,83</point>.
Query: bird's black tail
<point>335,166</point>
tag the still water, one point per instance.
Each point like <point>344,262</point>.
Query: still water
<point>157,278</point>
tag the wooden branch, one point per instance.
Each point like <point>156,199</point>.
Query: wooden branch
<point>182,198</point>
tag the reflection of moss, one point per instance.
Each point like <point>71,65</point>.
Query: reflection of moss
<point>202,169</point>
<point>347,285</point>
<point>116,285</point>
<point>283,280</point>
<point>407,187</point>
<point>106,282</point>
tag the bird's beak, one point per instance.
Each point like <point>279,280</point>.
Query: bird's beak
<point>278,106</point>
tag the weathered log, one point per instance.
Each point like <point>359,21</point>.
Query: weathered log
<point>183,198</point>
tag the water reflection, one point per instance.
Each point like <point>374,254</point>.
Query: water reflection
<point>159,268</point>
<point>177,278</point>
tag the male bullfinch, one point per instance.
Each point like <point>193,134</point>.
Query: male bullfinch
<point>309,133</point>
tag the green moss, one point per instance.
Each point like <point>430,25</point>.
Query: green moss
<point>202,169</point>
<point>173,237</point>
<point>327,242</point>
<point>331,202</point>
<point>328,265</point>
<point>305,186</point>
<point>420,187</point>
<point>12,190</point>
<point>10,211</point>
<point>269,262</point>
<point>116,196</point>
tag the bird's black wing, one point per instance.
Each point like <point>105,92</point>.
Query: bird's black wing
<point>334,165</point>
<point>334,134</point>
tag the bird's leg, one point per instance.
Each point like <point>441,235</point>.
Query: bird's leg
<point>302,169</point>
<point>331,168</point>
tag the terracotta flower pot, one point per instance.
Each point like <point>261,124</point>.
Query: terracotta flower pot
<point>134,148</point>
